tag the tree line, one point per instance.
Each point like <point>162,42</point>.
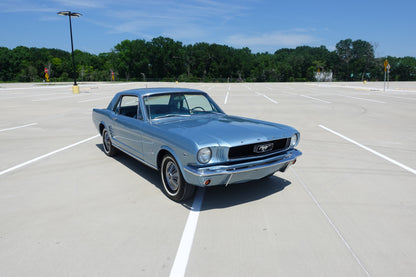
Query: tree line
<point>164,59</point>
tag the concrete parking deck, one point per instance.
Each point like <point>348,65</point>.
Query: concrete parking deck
<point>346,208</point>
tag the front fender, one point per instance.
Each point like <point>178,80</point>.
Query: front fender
<point>180,156</point>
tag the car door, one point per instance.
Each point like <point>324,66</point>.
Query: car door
<point>127,125</point>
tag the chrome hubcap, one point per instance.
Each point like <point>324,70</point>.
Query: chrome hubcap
<point>172,176</point>
<point>107,142</point>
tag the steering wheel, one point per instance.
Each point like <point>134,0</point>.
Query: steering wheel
<point>197,108</point>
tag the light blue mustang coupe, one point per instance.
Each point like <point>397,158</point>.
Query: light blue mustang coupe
<point>191,141</point>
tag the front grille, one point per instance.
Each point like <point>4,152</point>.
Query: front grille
<point>247,151</point>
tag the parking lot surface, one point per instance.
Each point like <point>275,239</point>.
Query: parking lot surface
<point>346,208</point>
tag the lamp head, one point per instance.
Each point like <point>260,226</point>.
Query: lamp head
<point>68,13</point>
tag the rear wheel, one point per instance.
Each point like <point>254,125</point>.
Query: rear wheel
<point>109,149</point>
<point>174,185</point>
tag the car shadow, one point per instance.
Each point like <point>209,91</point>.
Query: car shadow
<point>217,197</point>
<point>220,197</point>
<point>139,168</point>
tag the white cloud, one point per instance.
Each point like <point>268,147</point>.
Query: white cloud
<point>291,38</point>
<point>82,3</point>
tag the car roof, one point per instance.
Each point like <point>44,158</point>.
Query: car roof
<point>151,91</point>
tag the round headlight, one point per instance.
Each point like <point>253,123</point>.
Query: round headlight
<point>294,140</point>
<point>204,155</point>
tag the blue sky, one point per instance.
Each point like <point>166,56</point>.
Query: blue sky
<point>261,25</point>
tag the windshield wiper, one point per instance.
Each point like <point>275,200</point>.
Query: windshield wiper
<point>170,115</point>
<point>206,112</point>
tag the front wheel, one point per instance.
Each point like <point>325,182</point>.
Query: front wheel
<point>174,185</point>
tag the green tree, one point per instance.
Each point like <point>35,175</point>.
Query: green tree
<point>356,60</point>
<point>345,54</point>
<point>402,69</point>
<point>167,58</point>
<point>5,64</point>
<point>132,59</point>
<point>363,59</point>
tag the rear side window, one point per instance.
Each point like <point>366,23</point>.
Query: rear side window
<point>128,105</point>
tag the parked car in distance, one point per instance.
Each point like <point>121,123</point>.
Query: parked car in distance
<point>186,136</point>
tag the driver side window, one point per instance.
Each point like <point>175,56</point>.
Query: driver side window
<point>198,102</point>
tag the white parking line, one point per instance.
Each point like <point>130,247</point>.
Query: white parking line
<point>265,96</point>
<point>285,92</point>
<point>211,87</point>
<point>226,96</point>
<point>399,97</point>
<point>347,245</point>
<point>46,155</point>
<point>37,87</point>
<point>365,99</point>
<point>185,246</point>
<point>18,127</point>
<point>313,98</point>
<point>411,170</point>
<point>94,99</point>
<point>54,98</point>
<point>25,96</point>
<point>271,100</point>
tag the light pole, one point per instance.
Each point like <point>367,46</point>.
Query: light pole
<point>75,88</point>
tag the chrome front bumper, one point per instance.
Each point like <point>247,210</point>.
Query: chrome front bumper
<point>239,173</point>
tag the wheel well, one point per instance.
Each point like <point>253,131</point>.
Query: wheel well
<point>160,156</point>
<point>101,128</point>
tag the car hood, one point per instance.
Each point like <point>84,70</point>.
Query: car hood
<point>225,130</point>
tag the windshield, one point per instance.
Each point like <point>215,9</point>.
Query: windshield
<point>179,104</point>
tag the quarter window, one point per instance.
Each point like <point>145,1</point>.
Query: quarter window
<point>128,105</point>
